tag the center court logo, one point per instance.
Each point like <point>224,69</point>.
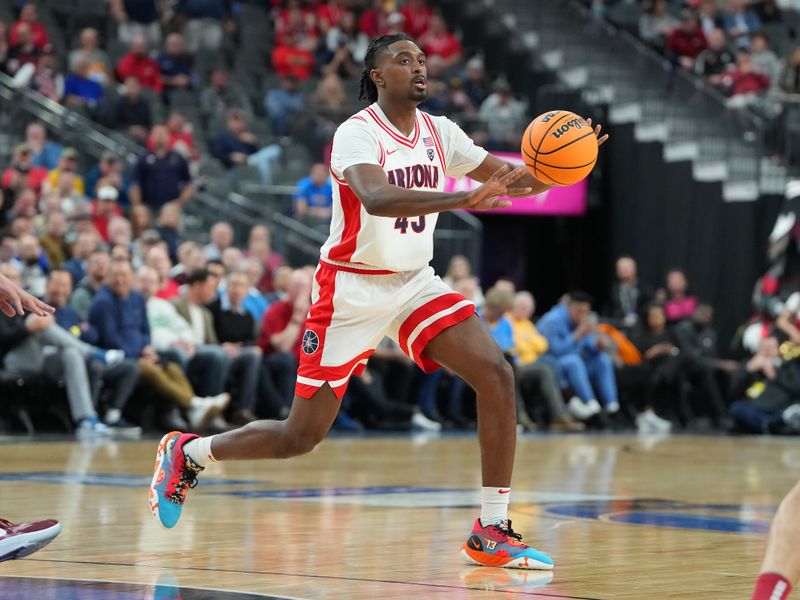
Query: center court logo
<point>310,342</point>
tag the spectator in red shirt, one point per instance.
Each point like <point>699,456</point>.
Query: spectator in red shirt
<point>29,17</point>
<point>437,41</point>
<point>295,22</point>
<point>105,208</point>
<point>289,59</point>
<point>181,139</point>
<point>157,257</point>
<point>375,21</point>
<point>25,52</point>
<point>418,17</point>
<point>22,173</point>
<point>281,341</point>
<point>742,79</point>
<point>685,42</point>
<point>138,64</point>
<point>330,13</point>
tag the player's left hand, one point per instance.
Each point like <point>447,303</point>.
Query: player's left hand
<point>487,196</point>
<point>597,129</point>
<point>15,301</point>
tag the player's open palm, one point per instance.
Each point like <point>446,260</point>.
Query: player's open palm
<point>488,196</point>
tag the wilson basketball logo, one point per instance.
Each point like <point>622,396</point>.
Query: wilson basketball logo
<point>310,342</point>
<point>574,123</point>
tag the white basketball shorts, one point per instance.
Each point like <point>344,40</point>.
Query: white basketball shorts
<point>353,309</point>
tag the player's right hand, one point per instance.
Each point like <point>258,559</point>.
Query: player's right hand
<point>15,301</point>
<point>487,196</point>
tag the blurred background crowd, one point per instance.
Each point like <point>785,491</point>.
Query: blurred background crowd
<point>167,320</point>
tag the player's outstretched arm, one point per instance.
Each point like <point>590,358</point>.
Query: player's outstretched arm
<point>382,199</point>
<point>527,185</point>
<point>15,301</point>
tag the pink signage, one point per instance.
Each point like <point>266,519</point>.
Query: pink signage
<point>557,201</point>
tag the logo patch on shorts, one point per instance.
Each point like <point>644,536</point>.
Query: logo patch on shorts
<point>310,342</point>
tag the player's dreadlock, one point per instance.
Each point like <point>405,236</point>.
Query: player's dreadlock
<point>376,45</point>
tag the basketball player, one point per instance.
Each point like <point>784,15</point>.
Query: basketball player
<point>19,540</point>
<point>388,163</point>
<point>781,567</point>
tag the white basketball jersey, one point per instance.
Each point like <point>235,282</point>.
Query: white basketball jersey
<point>437,147</point>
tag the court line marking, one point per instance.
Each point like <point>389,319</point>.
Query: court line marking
<point>308,576</point>
<point>182,587</point>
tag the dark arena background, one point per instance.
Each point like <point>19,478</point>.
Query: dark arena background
<point>165,166</point>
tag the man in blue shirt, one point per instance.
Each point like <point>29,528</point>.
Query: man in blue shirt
<point>283,104</point>
<point>579,356</point>
<point>161,175</point>
<point>79,89</point>
<point>238,146</point>
<point>175,64</point>
<point>45,153</point>
<point>313,198</point>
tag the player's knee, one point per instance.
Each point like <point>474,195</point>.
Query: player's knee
<point>297,443</point>
<point>499,376</point>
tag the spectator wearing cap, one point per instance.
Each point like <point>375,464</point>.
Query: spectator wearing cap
<point>85,290</point>
<point>104,208</point>
<point>206,22</point>
<point>85,244</point>
<point>45,152</point>
<point>54,240</point>
<point>88,49</point>
<point>313,197</point>
<point>22,173</point>
<point>137,63</point>
<point>283,105</point>
<point>238,146</point>
<point>395,23</point>
<point>503,114</point>
<point>175,64</point>
<point>686,41</point>
<point>24,52</point>
<point>290,58</point>
<point>80,90</point>
<point>109,169</point>
<point>67,164</point>
<point>29,19</point>
<point>136,18</point>
<point>161,175</point>
<point>439,42</point>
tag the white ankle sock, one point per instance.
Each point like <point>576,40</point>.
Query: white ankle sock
<point>494,505</point>
<point>199,450</point>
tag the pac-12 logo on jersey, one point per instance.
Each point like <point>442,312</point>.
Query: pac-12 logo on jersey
<point>430,154</point>
<point>310,342</point>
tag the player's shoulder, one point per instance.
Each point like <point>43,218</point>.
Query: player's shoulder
<point>443,125</point>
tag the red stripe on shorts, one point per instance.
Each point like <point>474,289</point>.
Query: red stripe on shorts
<point>321,312</point>
<point>431,331</point>
<point>423,312</point>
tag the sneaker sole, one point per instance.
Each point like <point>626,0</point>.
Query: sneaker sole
<point>485,559</point>
<point>25,544</point>
<point>158,473</point>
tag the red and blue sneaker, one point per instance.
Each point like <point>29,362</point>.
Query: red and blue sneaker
<point>174,474</point>
<point>500,546</point>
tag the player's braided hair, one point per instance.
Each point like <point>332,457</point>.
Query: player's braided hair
<point>377,45</point>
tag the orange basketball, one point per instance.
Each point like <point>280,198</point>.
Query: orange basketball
<point>559,148</point>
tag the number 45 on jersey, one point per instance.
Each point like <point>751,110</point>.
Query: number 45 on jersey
<point>417,226</point>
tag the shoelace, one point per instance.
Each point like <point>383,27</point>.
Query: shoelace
<point>505,529</point>
<point>186,481</point>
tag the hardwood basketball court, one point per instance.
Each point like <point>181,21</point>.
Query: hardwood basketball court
<point>362,518</point>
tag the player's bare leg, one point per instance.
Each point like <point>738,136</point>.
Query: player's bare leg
<point>308,422</point>
<point>181,456</point>
<point>781,567</point>
<point>468,350</point>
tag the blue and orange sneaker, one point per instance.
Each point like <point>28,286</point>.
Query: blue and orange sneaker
<point>500,546</point>
<point>174,474</point>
